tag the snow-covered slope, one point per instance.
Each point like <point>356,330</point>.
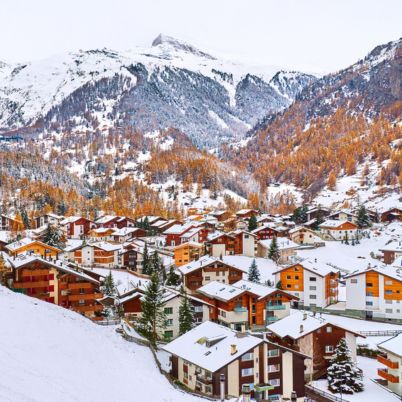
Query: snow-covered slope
<point>51,354</point>
<point>171,84</point>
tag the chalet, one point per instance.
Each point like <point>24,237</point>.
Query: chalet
<point>221,215</point>
<point>125,234</point>
<point>101,234</point>
<point>246,213</point>
<point>344,215</point>
<point>305,236</point>
<point>100,254</point>
<point>197,235</point>
<point>317,213</point>
<point>391,215</point>
<point>313,336</point>
<point>245,243</point>
<point>30,246</point>
<point>314,282</point>
<point>4,239</point>
<point>187,252</point>
<point>338,230</point>
<point>265,231</point>
<point>391,251</point>
<point>10,223</point>
<point>163,225</point>
<point>76,227</point>
<point>68,252</point>
<point>174,234</point>
<point>47,219</point>
<point>55,282</point>
<point>112,221</point>
<point>171,299</point>
<point>207,269</point>
<point>287,249</point>
<point>219,244</point>
<point>375,293</point>
<point>201,356</point>
<point>245,304</point>
<point>390,356</point>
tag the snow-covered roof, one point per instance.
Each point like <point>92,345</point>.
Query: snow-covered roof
<point>392,246</point>
<point>333,223</point>
<point>70,219</point>
<point>283,243</point>
<point>4,236</point>
<point>177,229</point>
<point>191,232</point>
<point>300,324</point>
<point>106,246</point>
<point>245,211</point>
<point>72,244</point>
<point>269,225</point>
<point>318,267</point>
<point>210,345</point>
<point>256,288</point>
<point>124,231</point>
<point>217,235</point>
<point>26,241</point>
<point>105,219</point>
<point>102,230</point>
<point>24,259</point>
<point>393,345</point>
<point>189,243</point>
<point>387,270</point>
<point>221,291</point>
<point>194,265</point>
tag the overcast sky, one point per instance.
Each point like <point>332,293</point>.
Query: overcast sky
<point>310,35</point>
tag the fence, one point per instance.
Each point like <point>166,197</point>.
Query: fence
<point>391,332</point>
<point>107,322</point>
<point>326,396</point>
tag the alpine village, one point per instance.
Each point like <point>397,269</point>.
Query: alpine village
<point>177,227</point>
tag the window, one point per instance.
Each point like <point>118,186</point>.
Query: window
<point>288,286</point>
<point>168,310</point>
<point>388,282</point>
<point>169,335</point>
<point>272,368</point>
<point>313,297</point>
<point>275,382</point>
<point>369,303</point>
<point>313,279</point>
<point>296,286</point>
<point>207,278</point>
<point>313,287</point>
<point>388,292</point>
<point>247,357</point>
<point>388,310</point>
<point>369,294</point>
<point>297,277</point>
<point>273,352</point>
<point>247,372</point>
<point>329,329</point>
<point>388,301</point>
<point>353,281</point>
<point>329,349</point>
<point>81,302</point>
<point>169,322</point>
<point>369,284</point>
<point>222,313</point>
<point>288,277</point>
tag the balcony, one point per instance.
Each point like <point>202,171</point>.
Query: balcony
<point>85,296</point>
<point>31,285</point>
<point>383,373</point>
<point>206,380</point>
<point>386,362</point>
<point>83,309</point>
<point>240,310</point>
<point>79,285</point>
<point>273,307</point>
<point>271,319</point>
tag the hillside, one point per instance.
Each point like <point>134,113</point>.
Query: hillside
<point>169,85</point>
<point>48,353</point>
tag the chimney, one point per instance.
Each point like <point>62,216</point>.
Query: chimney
<point>315,260</point>
<point>293,396</point>
<point>246,393</point>
<point>304,315</point>
<point>233,349</point>
<point>301,328</point>
<point>222,386</point>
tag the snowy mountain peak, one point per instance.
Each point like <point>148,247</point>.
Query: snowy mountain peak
<point>178,45</point>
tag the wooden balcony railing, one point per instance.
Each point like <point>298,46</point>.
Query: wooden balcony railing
<point>85,296</point>
<point>83,309</point>
<point>31,285</point>
<point>79,285</point>
<point>383,373</point>
<point>387,362</point>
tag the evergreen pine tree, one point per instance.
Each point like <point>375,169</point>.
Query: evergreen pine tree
<point>346,238</point>
<point>279,285</point>
<point>146,262</point>
<point>153,316</point>
<point>186,316</point>
<point>145,224</point>
<point>25,219</point>
<point>109,287</point>
<point>252,223</point>
<point>363,219</point>
<point>273,252</point>
<point>53,237</point>
<point>342,374</point>
<point>253,273</point>
<point>155,263</point>
<point>3,268</point>
<point>172,278</point>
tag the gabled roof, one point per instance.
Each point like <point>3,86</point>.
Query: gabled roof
<point>106,246</point>
<point>315,266</point>
<point>259,289</point>
<point>217,235</point>
<point>202,262</point>
<point>105,219</point>
<point>209,345</point>
<point>27,241</point>
<point>333,223</point>
<point>393,246</point>
<point>392,345</point>
<point>221,291</point>
<point>178,229</point>
<point>299,324</point>
<point>71,219</point>
<point>386,270</point>
<point>25,259</point>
